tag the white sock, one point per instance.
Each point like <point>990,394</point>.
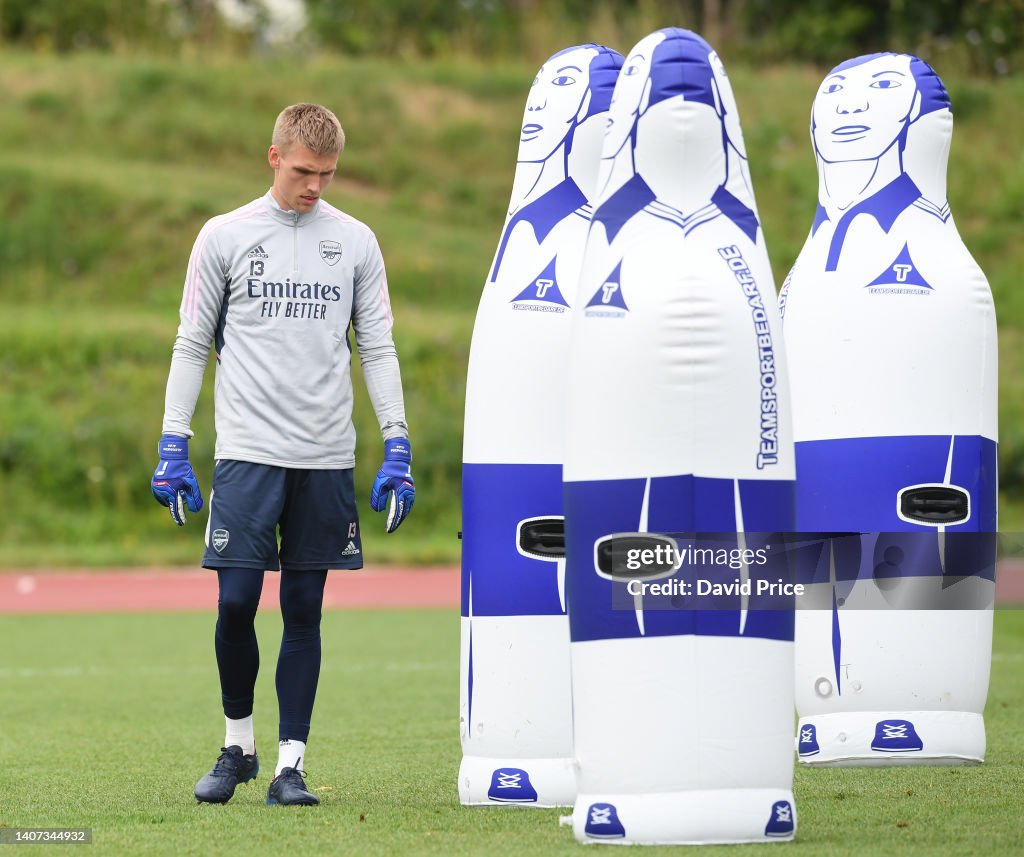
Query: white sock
<point>238,733</point>
<point>290,755</point>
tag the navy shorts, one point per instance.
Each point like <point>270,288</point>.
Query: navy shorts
<point>315,511</point>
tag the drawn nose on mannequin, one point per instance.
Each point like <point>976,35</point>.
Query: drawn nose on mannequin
<point>845,108</point>
<point>533,106</point>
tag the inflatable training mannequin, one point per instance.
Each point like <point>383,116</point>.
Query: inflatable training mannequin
<point>891,337</point>
<point>516,707</point>
<point>678,422</point>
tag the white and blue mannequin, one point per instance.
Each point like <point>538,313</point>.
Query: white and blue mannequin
<point>891,336</point>
<point>677,422</point>
<point>515,706</point>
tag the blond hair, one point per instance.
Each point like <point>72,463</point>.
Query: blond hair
<point>312,125</point>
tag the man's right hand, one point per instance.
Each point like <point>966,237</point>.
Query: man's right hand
<point>174,482</point>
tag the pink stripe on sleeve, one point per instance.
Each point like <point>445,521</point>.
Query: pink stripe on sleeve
<point>190,303</point>
<point>337,214</point>
<point>385,297</point>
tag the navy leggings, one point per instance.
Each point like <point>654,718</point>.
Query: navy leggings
<point>238,655</point>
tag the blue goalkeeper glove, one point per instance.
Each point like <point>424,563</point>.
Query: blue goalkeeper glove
<point>174,483</point>
<point>394,483</point>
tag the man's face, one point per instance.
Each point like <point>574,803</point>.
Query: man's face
<point>553,104</point>
<point>300,176</point>
<point>629,90</point>
<point>861,111</point>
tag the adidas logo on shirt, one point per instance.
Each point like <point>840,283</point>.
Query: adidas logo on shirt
<point>350,549</point>
<point>258,252</point>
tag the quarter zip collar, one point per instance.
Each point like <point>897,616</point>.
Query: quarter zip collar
<point>290,218</point>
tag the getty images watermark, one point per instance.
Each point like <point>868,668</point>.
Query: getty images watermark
<point>714,561</point>
<point>787,571</point>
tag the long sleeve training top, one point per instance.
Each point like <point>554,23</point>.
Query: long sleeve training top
<point>276,292</point>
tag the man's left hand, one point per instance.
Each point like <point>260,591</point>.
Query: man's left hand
<point>174,483</point>
<point>394,483</point>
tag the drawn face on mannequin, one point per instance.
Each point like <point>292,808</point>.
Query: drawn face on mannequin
<point>731,113</point>
<point>629,92</point>
<point>860,112</point>
<point>556,100</point>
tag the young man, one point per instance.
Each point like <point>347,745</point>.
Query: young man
<point>275,286</point>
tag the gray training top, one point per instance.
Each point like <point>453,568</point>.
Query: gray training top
<point>276,291</point>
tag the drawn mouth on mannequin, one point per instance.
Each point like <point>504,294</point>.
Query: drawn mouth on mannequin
<point>850,132</point>
<point>530,132</point>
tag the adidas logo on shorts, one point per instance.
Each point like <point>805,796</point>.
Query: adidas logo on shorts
<point>350,549</point>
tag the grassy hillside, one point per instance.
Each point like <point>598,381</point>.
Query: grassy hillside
<point>111,165</point>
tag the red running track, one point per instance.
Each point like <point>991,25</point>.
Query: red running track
<point>133,590</point>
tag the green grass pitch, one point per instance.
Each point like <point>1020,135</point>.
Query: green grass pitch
<point>107,721</point>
